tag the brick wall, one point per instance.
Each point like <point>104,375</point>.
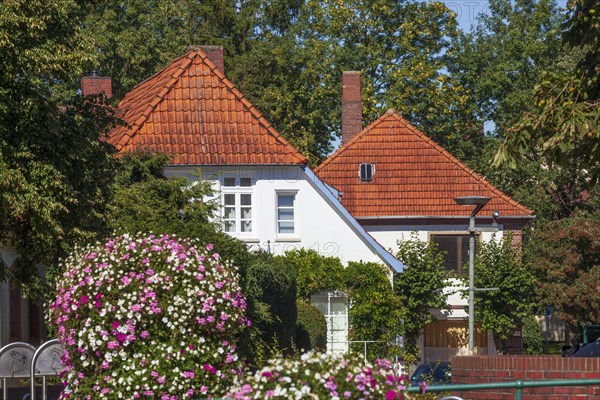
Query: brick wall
<point>493,369</point>
<point>517,234</point>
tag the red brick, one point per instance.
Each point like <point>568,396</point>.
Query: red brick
<point>553,375</point>
<point>563,390</point>
<point>535,375</point>
<point>572,375</point>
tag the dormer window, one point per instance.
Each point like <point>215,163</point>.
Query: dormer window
<point>366,171</point>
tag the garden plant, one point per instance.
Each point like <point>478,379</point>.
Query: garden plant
<point>148,317</point>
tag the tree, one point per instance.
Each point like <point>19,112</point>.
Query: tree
<point>501,59</point>
<point>55,169</point>
<point>145,200</point>
<point>135,38</point>
<point>566,257</point>
<point>375,310</point>
<point>401,64</point>
<point>498,265</point>
<point>564,124</point>
<point>419,288</point>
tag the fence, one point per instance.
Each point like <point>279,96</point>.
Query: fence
<point>519,387</point>
<point>22,360</point>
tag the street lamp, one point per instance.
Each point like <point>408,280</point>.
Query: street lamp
<point>478,202</point>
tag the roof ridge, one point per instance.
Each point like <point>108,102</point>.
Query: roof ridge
<point>465,167</point>
<point>252,109</point>
<point>370,127</point>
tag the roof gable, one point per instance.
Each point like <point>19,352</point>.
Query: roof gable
<point>192,112</point>
<point>414,176</point>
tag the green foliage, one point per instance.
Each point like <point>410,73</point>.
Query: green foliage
<point>311,328</point>
<point>271,289</point>
<point>55,171</point>
<point>501,59</point>
<point>399,47</point>
<point>375,310</point>
<point>314,272</point>
<point>145,200</point>
<point>564,124</point>
<point>498,265</point>
<point>533,341</point>
<point>419,288</point>
<point>566,257</point>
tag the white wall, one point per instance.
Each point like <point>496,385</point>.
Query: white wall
<point>318,225</point>
<point>388,235</point>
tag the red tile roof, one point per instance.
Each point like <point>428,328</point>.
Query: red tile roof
<point>414,176</point>
<point>191,111</point>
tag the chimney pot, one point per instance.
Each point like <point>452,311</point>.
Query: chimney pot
<point>351,105</point>
<point>214,54</point>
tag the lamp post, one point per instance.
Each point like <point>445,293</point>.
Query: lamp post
<point>478,202</point>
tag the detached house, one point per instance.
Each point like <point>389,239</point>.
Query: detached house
<point>394,180</point>
<point>269,197</point>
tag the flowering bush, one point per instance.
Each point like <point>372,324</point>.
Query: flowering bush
<point>322,376</point>
<point>148,317</point>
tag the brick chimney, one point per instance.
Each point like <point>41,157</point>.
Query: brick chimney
<point>214,54</point>
<point>351,105</point>
<point>95,84</point>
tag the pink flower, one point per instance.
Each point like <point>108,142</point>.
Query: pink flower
<point>390,395</point>
<point>112,345</point>
<point>144,334</point>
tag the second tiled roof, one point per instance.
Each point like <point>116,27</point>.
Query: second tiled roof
<point>414,176</point>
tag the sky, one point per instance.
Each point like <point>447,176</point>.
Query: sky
<point>468,10</point>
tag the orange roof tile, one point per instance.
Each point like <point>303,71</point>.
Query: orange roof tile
<point>192,112</point>
<point>414,176</point>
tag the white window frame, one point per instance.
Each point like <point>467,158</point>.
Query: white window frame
<point>287,236</point>
<point>238,191</point>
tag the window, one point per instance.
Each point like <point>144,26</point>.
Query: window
<point>366,171</point>
<point>456,248</point>
<point>237,205</point>
<point>285,213</point>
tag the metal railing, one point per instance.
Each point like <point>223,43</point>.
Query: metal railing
<point>518,385</point>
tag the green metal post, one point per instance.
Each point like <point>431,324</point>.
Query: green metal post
<point>519,391</point>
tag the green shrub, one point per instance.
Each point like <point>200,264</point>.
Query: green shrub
<point>270,288</point>
<point>311,328</point>
<point>533,341</point>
